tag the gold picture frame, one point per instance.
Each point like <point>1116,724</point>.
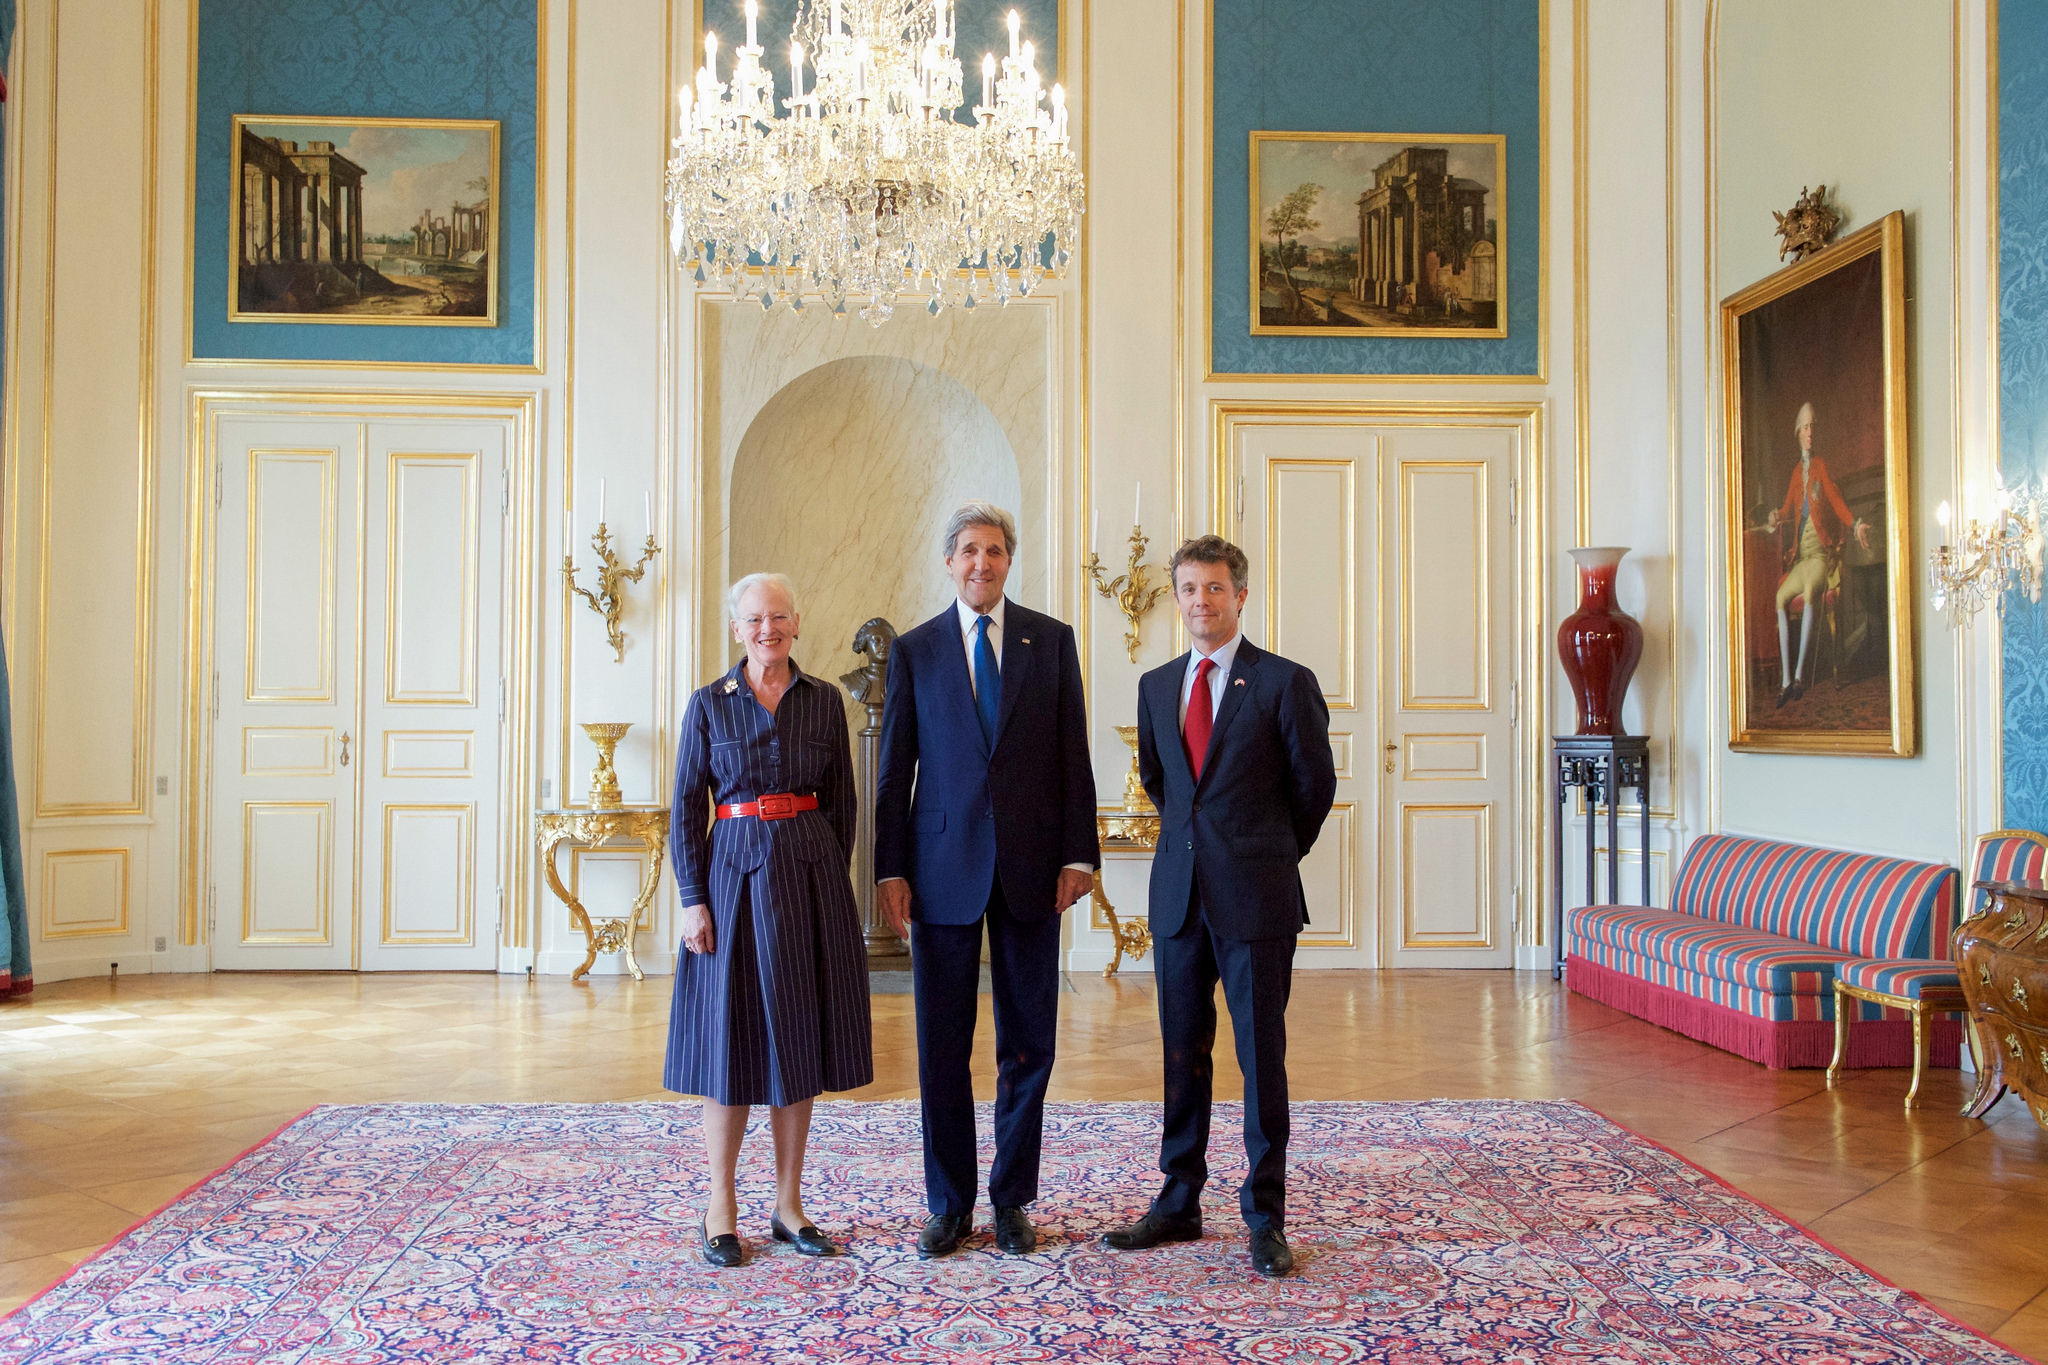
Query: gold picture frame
<point>1424,256</point>
<point>316,225</point>
<point>1814,410</point>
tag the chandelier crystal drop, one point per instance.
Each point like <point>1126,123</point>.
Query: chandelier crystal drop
<point>865,187</point>
<point>1987,560</point>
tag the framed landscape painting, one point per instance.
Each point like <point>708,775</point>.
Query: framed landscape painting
<point>364,220</point>
<point>1820,605</point>
<point>1397,234</point>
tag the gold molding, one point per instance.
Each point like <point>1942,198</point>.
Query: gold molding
<point>1340,828</point>
<point>1482,697</point>
<point>1582,376</point>
<point>1345,696</point>
<point>1212,376</point>
<point>322,877</point>
<point>116,928</point>
<point>1484,941</point>
<point>465,863</point>
<point>472,462</point>
<point>396,771</point>
<point>519,409</point>
<point>329,458</point>
<point>325,733</point>
<point>538,365</point>
<point>137,801</point>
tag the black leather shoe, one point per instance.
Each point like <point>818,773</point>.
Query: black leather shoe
<point>809,1241</point>
<point>1014,1233</point>
<point>942,1235</point>
<point>1270,1253</point>
<point>724,1250</point>
<point>1151,1230</point>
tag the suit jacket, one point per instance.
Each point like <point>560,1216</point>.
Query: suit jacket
<point>1240,833</point>
<point>952,815</point>
<point>1831,519</point>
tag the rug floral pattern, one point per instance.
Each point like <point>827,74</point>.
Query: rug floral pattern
<point>1435,1232</point>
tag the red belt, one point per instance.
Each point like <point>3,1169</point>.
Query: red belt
<point>771,806</point>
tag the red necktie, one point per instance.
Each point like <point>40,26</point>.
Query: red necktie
<point>1201,717</point>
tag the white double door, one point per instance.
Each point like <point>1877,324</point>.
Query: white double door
<point>1384,558</point>
<point>356,775</point>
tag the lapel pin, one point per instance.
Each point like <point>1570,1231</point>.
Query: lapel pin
<point>1027,639</point>
<point>1239,682</point>
<point>732,685</point>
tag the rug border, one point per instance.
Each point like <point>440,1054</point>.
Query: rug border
<point>191,1189</point>
<point>1808,1232</point>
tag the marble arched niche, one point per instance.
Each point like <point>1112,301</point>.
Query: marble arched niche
<point>872,434</point>
<point>844,481</point>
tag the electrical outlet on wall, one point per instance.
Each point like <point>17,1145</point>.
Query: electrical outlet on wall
<point>547,788</point>
<point>163,786</point>
<point>162,943</point>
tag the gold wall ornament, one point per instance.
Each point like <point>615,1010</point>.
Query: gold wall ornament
<point>1134,789</point>
<point>1133,590</point>
<point>604,778</point>
<point>612,576</point>
<point>1808,225</point>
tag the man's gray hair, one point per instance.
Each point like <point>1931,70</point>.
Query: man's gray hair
<point>979,513</point>
<point>738,591</point>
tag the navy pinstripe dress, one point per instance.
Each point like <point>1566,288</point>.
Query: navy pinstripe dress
<point>778,1010</point>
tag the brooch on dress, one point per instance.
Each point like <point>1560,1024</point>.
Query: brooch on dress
<point>732,685</point>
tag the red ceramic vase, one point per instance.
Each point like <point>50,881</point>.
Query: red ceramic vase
<point>1599,644</point>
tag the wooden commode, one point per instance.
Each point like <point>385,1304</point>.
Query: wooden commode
<point>2003,954</point>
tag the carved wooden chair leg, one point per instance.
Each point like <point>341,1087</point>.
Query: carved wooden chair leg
<point>1843,1004</point>
<point>1919,1053</point>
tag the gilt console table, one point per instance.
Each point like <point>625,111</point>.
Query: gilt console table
<point>592,829</point>
<point>1131,831</point>
<point>2002,954</point>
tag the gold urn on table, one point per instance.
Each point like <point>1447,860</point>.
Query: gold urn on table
<point>604,779</point>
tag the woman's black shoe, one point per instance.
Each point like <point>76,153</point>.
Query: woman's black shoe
<point>723,1251</point>
<point>809,1241</point>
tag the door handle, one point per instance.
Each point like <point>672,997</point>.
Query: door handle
<point>344,748</point>
<point>1392,749</point>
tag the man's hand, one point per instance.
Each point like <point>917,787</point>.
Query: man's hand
<point>1074,884</point>
<point>1772,524</point>
<point>1863,534</point>
<point>698,934</point>
<point>894,898</point>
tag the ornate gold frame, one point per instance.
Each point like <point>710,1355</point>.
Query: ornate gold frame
<point>1746,733</point>
<point>1499,143</point>
<point>241,121</point>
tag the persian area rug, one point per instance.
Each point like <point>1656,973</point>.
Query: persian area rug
<point>1425,1233</point>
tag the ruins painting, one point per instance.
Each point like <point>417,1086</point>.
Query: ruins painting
<point>365,220</point>
<point>1378,233</point>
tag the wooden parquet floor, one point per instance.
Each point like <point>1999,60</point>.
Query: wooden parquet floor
<point>116,1096</point>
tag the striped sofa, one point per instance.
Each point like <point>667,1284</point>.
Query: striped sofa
<point>1746,957</point>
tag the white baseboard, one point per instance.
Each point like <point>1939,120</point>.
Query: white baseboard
<point>47,970</point>
<point>562,961</point>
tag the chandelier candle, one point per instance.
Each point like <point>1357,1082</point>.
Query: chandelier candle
<point>875,183</point>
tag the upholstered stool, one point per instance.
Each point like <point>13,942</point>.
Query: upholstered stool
<point>1917,986</point>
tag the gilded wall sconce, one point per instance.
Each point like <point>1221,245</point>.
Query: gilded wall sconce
<point>612,576</point>
<point>1133,590</point>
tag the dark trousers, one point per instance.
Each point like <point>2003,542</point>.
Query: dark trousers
<point>1024,969</point>
<point>1256,977</point>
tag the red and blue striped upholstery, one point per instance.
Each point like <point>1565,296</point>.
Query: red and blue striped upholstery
<point>1858,904</point>
<point>1704,947</point>
<point>2009,855</point>
<point>1908,978</point>
<point>1815,1003</point>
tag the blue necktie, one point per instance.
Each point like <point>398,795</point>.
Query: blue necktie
<point>988,681</point>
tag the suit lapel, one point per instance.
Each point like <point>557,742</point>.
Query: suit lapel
<point>1234,688</point>
<point>1173,751</point>
<point>1017,654</point>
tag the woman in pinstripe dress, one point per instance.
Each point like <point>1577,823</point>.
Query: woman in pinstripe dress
<point>771,999</point>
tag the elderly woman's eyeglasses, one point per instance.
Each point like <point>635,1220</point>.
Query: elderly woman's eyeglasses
<point>780,620</point>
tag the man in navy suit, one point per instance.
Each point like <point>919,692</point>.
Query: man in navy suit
<point>1234,749</point>
<point>984,815</point>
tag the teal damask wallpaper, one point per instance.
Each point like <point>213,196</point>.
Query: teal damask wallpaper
<point>367,58</point>
<point>1452,66</point>
<point>2023,380</point>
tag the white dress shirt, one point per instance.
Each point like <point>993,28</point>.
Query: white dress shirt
<point>1219,677</point>
<point>968,615</point>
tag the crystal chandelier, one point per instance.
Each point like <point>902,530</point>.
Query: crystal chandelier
<point>1987,561</point>
<point>866,187</point>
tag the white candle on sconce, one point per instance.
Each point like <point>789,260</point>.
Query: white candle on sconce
<point>647,511</point>
<point>753,13</point>
<point>1138,504</point>
<point>1941,516</point>
<point>1095,535</point>
<point>600,502</point>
